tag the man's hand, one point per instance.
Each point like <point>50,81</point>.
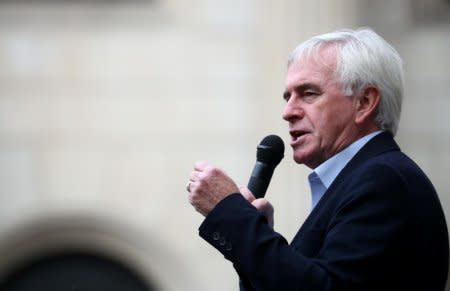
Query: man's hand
<point>262,204</point>
<point>207,186</point>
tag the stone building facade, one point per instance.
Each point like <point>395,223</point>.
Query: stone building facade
<point>106,105</point>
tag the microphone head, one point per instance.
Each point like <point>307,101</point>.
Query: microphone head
<point>270,150</point>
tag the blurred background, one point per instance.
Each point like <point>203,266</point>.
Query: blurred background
<point>105,105</point>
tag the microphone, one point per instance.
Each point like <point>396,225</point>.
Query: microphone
<point>269,153</point>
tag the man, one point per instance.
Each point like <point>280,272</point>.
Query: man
<point>376,221</point>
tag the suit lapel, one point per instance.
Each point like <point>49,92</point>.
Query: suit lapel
<point>381,143</point>
<point>384,142</point>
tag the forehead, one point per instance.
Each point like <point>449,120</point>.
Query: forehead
<point>316,67</point>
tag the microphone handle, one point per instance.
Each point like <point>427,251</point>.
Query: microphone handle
<point>260,179</point>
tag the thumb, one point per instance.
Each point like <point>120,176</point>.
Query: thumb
<point>265,208</point>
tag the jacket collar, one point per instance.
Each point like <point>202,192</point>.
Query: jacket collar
<point>383,142</point>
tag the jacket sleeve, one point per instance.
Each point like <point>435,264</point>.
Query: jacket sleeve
<point>258,253</point>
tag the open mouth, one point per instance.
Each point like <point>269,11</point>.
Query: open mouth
<point>297,134</point>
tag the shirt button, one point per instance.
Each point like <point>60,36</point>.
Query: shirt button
<point>216,235</point>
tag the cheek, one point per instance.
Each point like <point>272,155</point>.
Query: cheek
<point>320,121</point>
<point>333,117</point>
<point>326,125</point>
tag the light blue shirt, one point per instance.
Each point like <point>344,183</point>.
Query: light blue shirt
<point>322,176</point>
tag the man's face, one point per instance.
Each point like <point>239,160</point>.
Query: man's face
<point>320,117</point>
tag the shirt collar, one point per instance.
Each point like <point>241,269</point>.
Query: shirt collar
<point>322,176</point>
<point>328,170</point>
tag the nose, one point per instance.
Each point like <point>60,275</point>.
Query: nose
<point>293,110</point>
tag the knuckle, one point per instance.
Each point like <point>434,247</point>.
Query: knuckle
<point>214,171</point>
<point>202,180</point>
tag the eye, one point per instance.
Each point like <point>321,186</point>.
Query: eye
<point>309,93</point>
<point>309,96</point>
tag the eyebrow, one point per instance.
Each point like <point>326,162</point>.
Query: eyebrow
<point>301,88</point>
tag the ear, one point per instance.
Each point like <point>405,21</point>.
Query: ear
<point>367,105</point>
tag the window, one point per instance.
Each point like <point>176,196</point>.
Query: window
<point>425,12</point>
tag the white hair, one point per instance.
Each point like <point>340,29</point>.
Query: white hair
<point>364,59</point>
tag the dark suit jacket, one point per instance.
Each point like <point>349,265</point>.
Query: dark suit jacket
<point>380,226</point>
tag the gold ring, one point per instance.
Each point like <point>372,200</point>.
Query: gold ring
<point>188,186</point>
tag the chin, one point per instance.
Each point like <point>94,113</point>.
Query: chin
<point>299,159</point>
<point>303,159</point>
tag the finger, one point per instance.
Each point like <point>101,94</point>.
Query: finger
<point>201,165</point>
<point>195,175</point>
<point>247,194</point>
<point>266,209</point>
<point>263,206</point>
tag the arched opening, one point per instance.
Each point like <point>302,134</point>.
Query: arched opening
<point>73,271</point>
<point>87,253</point>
